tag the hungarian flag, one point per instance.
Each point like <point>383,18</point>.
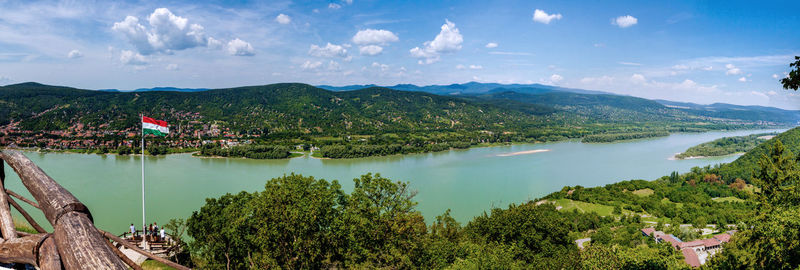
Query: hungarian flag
<point>155,127</point>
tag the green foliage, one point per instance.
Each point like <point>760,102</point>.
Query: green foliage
<point>724,146</point>
<point>123,150</point>
<point>157,150</point>
<point>746,166</point>
<point>247,151</point>
<point>793,80</point>
<point>612,137</point>
<point>356,151</point>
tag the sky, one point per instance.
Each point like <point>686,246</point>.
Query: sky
<point>695,51</point>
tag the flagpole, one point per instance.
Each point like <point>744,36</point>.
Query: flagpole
<point>144,223</point>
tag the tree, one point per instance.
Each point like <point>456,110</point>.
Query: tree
<point>793,80</point>
<point>222,231</point>
<point>777,176</point>
<point>383,228</point>
<point>176,228</point>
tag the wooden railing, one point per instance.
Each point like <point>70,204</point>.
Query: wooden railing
<point>75,242</point>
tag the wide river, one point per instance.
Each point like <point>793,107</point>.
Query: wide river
<point>467,181</point>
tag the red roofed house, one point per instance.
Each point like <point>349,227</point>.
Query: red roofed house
<point>695,252</point>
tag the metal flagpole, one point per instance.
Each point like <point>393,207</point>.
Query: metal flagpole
<point>144,223</point>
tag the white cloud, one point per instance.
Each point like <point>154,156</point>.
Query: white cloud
<point>74,54</point>
<point>599,45</point>
<point>555,78</point>
<point>772,93</point>
<point>334,6</point>
<point>308,65</point>
<point>732,70</point>
<point>167,33</point>
<point>172,67</point>
<point>638,78</point>
<point>383,67</point>
<point>775,76</point>
<point>475,67</point>
<point>239,47</point>
<point>370,50</point>
<point>624,21</point>
<point>349,2</point>
<point>491,45</point>
<point>629,63</point>
<point>756,93</point>
<point>512,53</point>
<point>374,37</point>
<point>542,16</point>
<point>680,67</point>
<point>460,66</point>
<point>283,19</point>
<point>743,79</point>
<point>132,58</point>
<point>708,68</point>
<point>330,50</point>
<point>448,40</point>
<point>334,66</point>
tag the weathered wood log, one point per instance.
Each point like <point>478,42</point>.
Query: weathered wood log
<point>79,244</point>
<point>6,222</point>
<point>145,253</point>
<point>15,195</point>
<point>27,217</point>
<point>48,255</point>
<point>54,200</point>
<point>124,258</point>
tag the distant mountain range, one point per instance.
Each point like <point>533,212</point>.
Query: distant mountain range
<point>162,89</point>
<point>469,88</point>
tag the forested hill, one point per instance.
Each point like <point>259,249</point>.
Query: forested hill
<point>259,109</point>
<point>292,114</point>
<point>745,166</point>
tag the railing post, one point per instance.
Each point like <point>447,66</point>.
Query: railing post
<point>6,222</point>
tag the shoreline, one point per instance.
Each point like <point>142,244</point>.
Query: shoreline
<point>674,157</point>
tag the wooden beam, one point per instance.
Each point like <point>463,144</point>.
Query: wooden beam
<point>48,255</point>
<point>27,217</point>
<point>145,253</point>
<point>124,258</point>
<point>15,195</point>
<point>6,222</point>
<point>77,240</point>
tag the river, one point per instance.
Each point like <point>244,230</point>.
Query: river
<point>468,182</point>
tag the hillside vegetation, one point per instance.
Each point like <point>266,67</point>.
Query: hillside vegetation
<point>725,146</point>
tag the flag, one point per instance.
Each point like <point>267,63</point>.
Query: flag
<point>153,126</point>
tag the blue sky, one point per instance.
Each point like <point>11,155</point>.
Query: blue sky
<point>699,51</point>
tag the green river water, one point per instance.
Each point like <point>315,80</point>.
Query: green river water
<point>467,181</point>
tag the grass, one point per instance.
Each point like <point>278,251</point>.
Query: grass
<point>643,192</point>
<point>296,154</point>
<point>317,154</point>
<point>154,265</point>
<point>728,199</point>
<point>751,188</point>
<point>665,200</point>
<point>569,205</point>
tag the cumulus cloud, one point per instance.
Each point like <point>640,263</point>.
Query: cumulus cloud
<point>370,50</point>
<point>638,78</point>
<point>743,79</point>
<point>732,70</point>
<point>448,40</point>
<point>74,54</point>
<point>382,67</point>
<point>308,65</point>
<point>624,21</point>
<point>491,45</point>
<point>167,32</point>
<point>330,50</point>
<point>475,67</point>
<point>460,66</point>
<point>334,6</point>
<point>371,40</point>
<point>373,36</point>
<point>708,68</point>
<point>283,19</point>
<point>555,78</point>
<point>132,58</point>
<point>775,76</point>
<point>542,16</point>
<point>239,47</point>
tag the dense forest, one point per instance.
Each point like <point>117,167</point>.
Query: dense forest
<point>371,120</point>
<point>746,166</point>
<point>725,146</point>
